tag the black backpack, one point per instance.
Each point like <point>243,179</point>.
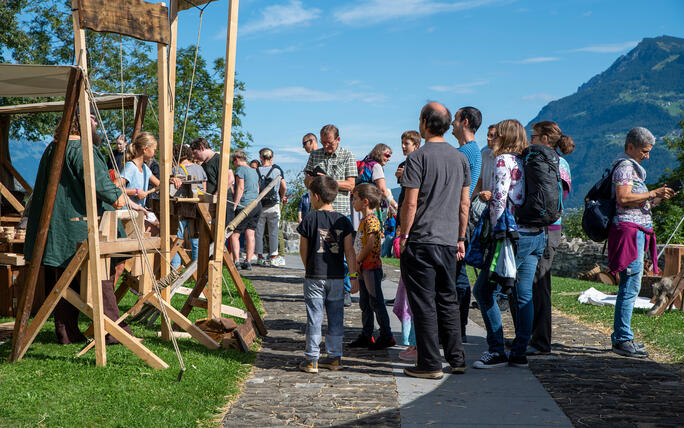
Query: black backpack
<point>543,203</point>
<point>599,207</point>
<point>272,198</point>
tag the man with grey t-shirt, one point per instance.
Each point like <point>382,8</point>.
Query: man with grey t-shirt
<point>437,181</point>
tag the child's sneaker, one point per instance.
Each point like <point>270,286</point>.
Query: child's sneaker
<point>409,354</point>
<point>362,342</point>
<point>309,366</point>
<point>490,360</point>
<point>277,261</point>
<point>382,343</point>
<point>331,363</point>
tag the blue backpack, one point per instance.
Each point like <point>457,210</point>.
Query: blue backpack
<point>479,245</point>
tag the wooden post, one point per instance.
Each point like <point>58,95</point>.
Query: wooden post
<point>166,89</point>
<point>31,277</point>
<point>94,266</point>
<point>216,264</point>
<point>140,109</point>
<point>5,175</point>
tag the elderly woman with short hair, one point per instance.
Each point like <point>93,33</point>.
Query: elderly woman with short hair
<point>631,233</point>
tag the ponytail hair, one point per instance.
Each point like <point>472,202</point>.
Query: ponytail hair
<point>557,140</point>
<point>142,141</point>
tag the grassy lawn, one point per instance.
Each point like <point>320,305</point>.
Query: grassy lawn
<point>666,332</point>
<point>50,387</point>
<point>390,261</point>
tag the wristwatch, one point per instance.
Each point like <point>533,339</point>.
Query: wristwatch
<point>461,239</point>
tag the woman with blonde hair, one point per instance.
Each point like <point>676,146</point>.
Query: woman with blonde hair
<point>136,175</point>
<point>509,193</point>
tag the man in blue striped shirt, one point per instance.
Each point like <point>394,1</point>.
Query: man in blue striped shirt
<point>466,122</point>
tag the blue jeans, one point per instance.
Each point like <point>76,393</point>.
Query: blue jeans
<point>320,295</point>
<point>194,244</point>
<point>372,303</point>
<point>408,333</point>
<point>387,246</point>
<point>630,284</point>
<point>530,248</point>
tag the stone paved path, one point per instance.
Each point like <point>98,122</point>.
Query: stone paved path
<point>591,385</point>
<point>279,394</point>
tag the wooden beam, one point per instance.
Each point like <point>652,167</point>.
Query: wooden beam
<point>58,291</point>
<point>167,86</point>
<point>129,245</point>
<point>11,199</point>
<point>145,21</point>
<point>225,309</point>
<point>185,324</point>
<point>187,4</point>
<point>246,298</point>
<point>118,333</point>
<point>26,300</point>
<point>140,109</point>
<point>215,268</point>
<point>94,268</point>
<point>18,177</point>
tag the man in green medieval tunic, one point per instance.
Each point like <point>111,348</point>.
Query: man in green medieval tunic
<point>68,227</point>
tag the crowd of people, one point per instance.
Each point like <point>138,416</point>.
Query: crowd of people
<point>498,209</point>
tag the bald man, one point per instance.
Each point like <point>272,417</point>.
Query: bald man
<point>437,181</point>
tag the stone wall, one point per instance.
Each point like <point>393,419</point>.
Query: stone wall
<point>575,256</point>
<point>291,236</point>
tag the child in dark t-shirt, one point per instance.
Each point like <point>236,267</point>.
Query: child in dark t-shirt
<point>325,240</point>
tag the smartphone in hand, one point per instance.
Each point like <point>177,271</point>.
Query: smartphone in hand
<point>675,185</point>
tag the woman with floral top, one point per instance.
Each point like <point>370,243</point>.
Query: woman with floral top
<point>509,192</point>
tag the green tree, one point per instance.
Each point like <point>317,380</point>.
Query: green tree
<point>44,35</point>
<point>295,190</point>
<point>667,215</point>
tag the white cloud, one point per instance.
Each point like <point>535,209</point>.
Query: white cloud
<point>587,13</point>
<point>459,88</point>
<point>280,16</point>
<point>535,60</point>
<point>607,48</point>
<point>278,51</point>
<point>302,94</point>
<point>543,97</point>
<point>374,11</point>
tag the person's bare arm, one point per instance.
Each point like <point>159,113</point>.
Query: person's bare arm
<point>408,213</point>
<point>625,197</point>
<point>399,173</point>
<point>382,185</point>
<point>351,262</point>
<point>463,220</point>
<point>478,186</point>
<point>307,180</point>
<point>283,188</point>
<point>347,185</point>
<point>303,249</point>
<point>239,190</point>
<point>299,216</point>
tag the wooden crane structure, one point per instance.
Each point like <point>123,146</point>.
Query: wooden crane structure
<point>148,22</point>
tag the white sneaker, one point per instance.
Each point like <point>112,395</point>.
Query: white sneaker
<point>277,261</point>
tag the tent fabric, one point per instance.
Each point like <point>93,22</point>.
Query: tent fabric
<point>104,102</point>
<point>28,80</point>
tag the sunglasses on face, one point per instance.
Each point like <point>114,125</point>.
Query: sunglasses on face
<point>388,155</point>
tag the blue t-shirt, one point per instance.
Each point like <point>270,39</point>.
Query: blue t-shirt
<point>251,179</point>
<point>136,179</point>
<point>304,205</point>
<point>472,152</point>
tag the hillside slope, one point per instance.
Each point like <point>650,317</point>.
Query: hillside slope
<point>645,87</point>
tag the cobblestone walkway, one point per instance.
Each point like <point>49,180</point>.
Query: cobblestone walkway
<point>597,388</point>
<point>278,393</point>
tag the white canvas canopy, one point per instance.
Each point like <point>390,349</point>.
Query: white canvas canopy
<point>28,80</point>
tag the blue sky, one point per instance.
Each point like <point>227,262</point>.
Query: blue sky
<point>369,66</point>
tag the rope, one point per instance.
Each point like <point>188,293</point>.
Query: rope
<point>123,127</point>
<point>192,81</point>
<point>137,232</point>
<point>668,240</point>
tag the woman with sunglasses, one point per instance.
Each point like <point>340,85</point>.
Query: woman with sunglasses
<point>371,171</point>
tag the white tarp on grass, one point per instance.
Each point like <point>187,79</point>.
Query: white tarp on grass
<point>594,297</point>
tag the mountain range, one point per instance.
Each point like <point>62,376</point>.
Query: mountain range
<point>644,87</point>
